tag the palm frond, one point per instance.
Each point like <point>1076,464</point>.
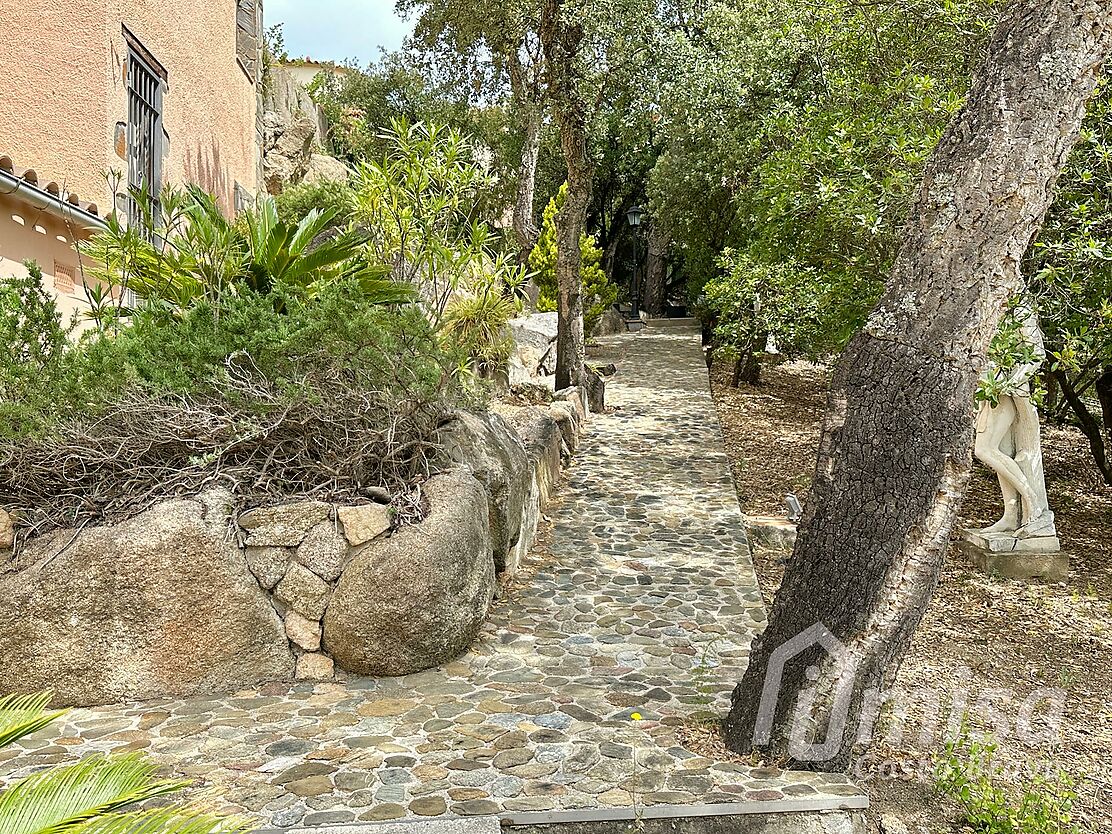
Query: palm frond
<point>52,800</point>
<point>21,715</point>
<point>162,821</point>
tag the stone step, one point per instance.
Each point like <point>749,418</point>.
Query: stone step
<point>689,323</point>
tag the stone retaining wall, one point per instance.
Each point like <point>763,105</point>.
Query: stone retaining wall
<point>185,599</point>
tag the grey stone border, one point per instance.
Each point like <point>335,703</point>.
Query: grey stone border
<point>671,812</point>
<point>493,824</point>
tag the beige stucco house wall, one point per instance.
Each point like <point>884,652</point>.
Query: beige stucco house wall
<point>65,64</point>
<point>30,234</point>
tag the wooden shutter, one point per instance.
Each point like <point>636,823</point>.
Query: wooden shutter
<point>247,37</point>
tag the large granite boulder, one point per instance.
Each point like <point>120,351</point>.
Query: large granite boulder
<point>324,168</point>
<point>544,445</point>
<point>534,354</point>
<point>418,598</point>
<point>489,447</point>
<point>611,323</point>
<point>287,149</point>
<point>537,330</point>
<point>162,604</point>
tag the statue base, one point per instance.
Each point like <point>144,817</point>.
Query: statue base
<point>1005,554</point>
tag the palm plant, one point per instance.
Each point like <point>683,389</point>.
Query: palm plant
<point>98,795</point>
<point>195,253</point>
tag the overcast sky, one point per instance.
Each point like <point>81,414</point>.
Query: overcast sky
<point>332,30</point>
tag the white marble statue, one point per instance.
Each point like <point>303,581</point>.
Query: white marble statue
<point>1008,443</point>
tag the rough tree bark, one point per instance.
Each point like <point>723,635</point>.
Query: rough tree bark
<point>894,455</point>
<point>525,229</point>
<point>528,96</point>
<point>747,368</point>
<point>562,37</point>
<point>656,268</point>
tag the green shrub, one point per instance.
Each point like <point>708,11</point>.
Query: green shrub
<point>33,342</point>
<point>168,351</point>
<point>749,301</point>
<point>331,397</point>
<point>476,325</point>
<point>328,195</point>
<point>599,294</point>
<point>966,772</point>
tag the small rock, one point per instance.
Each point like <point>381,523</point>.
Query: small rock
<point>395,776</point>
<point>463,794</point>
<point>354,780</point>
<point>613,750</point>
<point>475,808</point>
<point>429,806</point>
<point>324,551</point>
<point>512,758</point>
<point>288,817</point>
<point>303,591</point>
<point>268,564</point>
<point>506,786</point>
<point>311,786</point>
<point>582,759</point>
<point>314,666</point>
<point>464,764</point>
<point>384,811</point>
<point>615,797</point>
<point>285,525</point>
<point>303,631</point>
<point>302,771</point>
<point>891,824</point>
<point>533,770</point>
<point>365,522</point>
<point>386,707</point>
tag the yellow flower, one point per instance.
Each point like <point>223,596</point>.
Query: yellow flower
<point>636,716</point>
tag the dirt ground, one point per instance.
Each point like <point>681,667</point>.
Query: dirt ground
<point>999,640</point>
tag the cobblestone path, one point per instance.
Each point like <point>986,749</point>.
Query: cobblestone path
<point>643,602</point>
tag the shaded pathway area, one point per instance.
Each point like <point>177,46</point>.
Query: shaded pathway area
<point>633,620</point>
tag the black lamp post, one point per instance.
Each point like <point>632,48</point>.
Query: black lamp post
<point>634,216</point>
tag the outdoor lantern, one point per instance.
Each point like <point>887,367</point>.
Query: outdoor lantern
<point>634,216</point>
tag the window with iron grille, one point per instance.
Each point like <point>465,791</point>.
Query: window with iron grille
<point>144,127</point>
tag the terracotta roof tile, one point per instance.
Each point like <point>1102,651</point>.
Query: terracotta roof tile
<point>51,187</point>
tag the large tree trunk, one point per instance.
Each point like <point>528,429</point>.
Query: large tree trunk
<point>562,38</point>
<point>894,455</point>
<point>525,229</point>
<point>656,268</point>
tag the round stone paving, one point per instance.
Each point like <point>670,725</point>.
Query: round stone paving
<point>633,618</point>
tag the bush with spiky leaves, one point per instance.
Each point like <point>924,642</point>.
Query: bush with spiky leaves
<point>195,253</point>
<point>97,795</point>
